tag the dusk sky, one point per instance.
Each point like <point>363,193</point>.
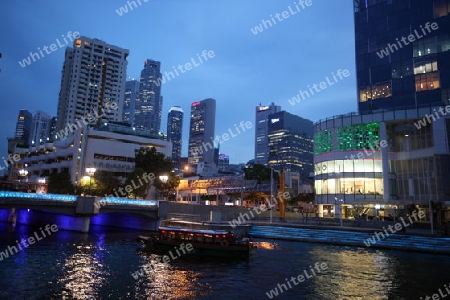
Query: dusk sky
<point>248,69</point>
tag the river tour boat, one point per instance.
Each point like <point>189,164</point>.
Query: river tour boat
<point>204,242</point>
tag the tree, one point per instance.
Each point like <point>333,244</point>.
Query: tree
<point>105,183</point>
<point>135,178</point>
<point>259,172</point>
<point>166,187</point>
<point>60,183</point>
<point>156,163</point>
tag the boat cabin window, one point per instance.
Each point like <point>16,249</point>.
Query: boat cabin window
<point>208,238</point>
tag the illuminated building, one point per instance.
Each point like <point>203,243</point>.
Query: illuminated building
<point>93,77</point>
<point>262,130</point>
<point>149,102</point>
<point>174,133</point>
<point>129,101</point>
<point>201,132</point>
<point>110,148</point>
<point>23,126</point>
<point>290,143</point>
<point>395,153</point>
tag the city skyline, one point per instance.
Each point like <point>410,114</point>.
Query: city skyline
<point>237,76</point>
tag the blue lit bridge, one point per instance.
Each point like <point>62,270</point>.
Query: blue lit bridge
<point>78,212</point>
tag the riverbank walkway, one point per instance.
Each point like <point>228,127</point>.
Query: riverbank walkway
<point>351,236</point>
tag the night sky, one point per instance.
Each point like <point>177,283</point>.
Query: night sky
<point>271,66</point>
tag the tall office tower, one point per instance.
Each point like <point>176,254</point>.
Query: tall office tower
<point>290,140</point>
<point>52,133</point>
<point>93,77</point>
<point>395,152</point>
<point>224,162</point>
<point>261,131</point>
<point>40,129</point>
<point>129,101</point>
<point>149,102</point>
<point>201,132</point>
<point>174,133</point>
<point>23,126</point>
<point>402,61</point>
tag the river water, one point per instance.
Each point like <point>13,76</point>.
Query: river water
<point>103,265</point>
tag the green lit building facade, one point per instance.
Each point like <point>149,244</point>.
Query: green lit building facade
<point>396,152</point>
<point>381,161</point>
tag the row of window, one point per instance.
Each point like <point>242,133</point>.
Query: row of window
<point>349,186</point>
<point>348,166</point>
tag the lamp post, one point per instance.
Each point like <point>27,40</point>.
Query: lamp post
<point>163,179</point>
<point>340,205</point>
<point>90,172</point>
<point>271,194</point>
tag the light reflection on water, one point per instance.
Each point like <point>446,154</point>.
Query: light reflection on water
<point>72,265</point>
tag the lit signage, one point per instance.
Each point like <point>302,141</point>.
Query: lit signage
<point>196,103</point>
<point>261,108</point>
<point>272,121</point>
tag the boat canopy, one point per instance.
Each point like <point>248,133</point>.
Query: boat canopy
<point>202,231</point>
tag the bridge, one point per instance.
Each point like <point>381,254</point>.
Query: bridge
<point>79,212</point>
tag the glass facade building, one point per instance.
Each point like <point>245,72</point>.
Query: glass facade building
<point>129,101</point>
<point>148,110</point>
<point>290,143</point>
<point>201,132</point>
<point>23,126</point>
<point>394,153</point>
<point>174,133</point>
<point>262,130</point>
<point>402,53</point>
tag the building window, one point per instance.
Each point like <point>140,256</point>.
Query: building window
<point>358,137</point>
<point>445,94</point>
<point>441,8</point>
<point>425,67</point>
<point>375,91</point>
<point>323,142</point>
<point>426,82</point>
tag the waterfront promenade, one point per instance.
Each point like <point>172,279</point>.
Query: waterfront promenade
<point>415,240</point>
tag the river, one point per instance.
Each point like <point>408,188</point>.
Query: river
<point>103,265</point>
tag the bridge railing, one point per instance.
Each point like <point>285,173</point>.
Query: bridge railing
<point>125,201</point>
<point>52,197</point>
<point>74,198</point>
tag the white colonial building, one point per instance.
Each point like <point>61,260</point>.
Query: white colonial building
<point>109,148</point>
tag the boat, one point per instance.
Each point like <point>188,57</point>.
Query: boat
<point>219,243</point>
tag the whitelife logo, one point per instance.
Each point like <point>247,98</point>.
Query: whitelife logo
<point>187,67</point>
<point>411,38</point>
<point>31,240</point>
<point>34,56</point>
<point>284,15</point>
<point>320,87</point>
<point>219,139</point>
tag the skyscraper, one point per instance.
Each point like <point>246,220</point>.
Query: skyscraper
<point>23,126</point>
<point>149,102</point>
<point>261,131</point>
<point>395,153</point>
<point>402,62</point>
<point>290,142</point>
<point>201,131</point>
<point>174,133</point>
<point>93,77</point>
<point>40,129</point>
<point>129,101</point>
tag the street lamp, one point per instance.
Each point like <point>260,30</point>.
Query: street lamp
<point>340,205</point>
<point>90,172</point>
<point>163,179</point>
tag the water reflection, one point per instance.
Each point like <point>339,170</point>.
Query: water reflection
<point>83,271</point>
<point>171,280</point>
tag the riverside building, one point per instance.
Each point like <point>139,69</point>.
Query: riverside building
<point>403,91</point>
